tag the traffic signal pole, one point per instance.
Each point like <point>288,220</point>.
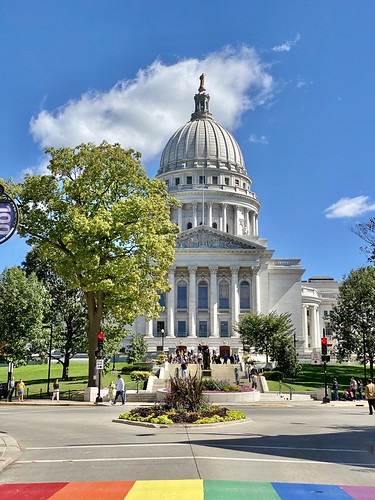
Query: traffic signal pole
<point>99,356</point>
<point>325,358</point>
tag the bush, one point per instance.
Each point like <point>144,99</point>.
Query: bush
<point>138,376</point>
<point>186,394</point>
<point>274,375</point>
<point>211,384</point>
<point>131,367</point>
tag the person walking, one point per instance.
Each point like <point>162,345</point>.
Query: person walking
<point>370,396</point>
<point>20,390</point>
<point>111,391</point>
<point>120,390</point>
<point>360,389</point>
<point>56,391</point>
<point>335,390</point>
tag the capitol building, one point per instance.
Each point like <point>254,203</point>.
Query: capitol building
<point>222,267</point>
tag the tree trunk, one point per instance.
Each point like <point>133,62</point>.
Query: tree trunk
<point>95,312</point>
<point>371,368</point>
<point>65,372</point>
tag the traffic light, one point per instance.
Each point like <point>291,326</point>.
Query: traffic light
<point>324,346</point>
<point>99,352</point>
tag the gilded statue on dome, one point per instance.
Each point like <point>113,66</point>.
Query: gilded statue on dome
<point>202,78</point>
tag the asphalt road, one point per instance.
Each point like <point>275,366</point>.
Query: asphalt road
<point>310,442</point>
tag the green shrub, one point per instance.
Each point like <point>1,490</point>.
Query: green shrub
<point>138,376</point>
<point>211,384</point>
<point>128,368</point>
<point>186,394</point>
<point>274,375</point>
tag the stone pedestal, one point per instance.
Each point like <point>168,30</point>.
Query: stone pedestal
<point>206,373</point>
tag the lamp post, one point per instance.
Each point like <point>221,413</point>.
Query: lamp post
<point>364,353</point>
<point>162,339</point>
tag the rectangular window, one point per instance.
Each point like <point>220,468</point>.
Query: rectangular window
<point>181,329</point>
<point>202,179</point>
<point>167,182</point>
<point>189,179</point>
<point>236,182</point>
<point>224,329</point>
<point>181,296</point>
<point>226,181</point>
<point>177,181</point>
<point>214,179</point>
<point>202,331</point>
<point>203,296</point>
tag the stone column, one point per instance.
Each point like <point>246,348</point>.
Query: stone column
<point>149,332</point>
<point>195,206</point>
<point>179,218</point>
<point>192,301</point>
<point>235,299</point>
<point>253,224</point>
<point>313,328</point>
<point>256,290</point>
<point>236,216</point>
<point>214,332</point>
<point>256,225</point>
<point>224,218</point>
<point>170,304</point>
<point>305,328</point>
<point>209,214</point>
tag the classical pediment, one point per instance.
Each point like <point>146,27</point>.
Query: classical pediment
<point>203,238</point>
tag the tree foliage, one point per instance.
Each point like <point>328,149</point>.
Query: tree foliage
<point>272,335</point>
<point>105,226</point>
<point>137,348</point>
<point>353,317</point>
<point>366,231</point>
<point>24,302</point>
<point>67,314</point>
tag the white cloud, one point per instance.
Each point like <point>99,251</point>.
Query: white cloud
<point>258,139</point>
<point>304,83</point>
<point>285,47</point>
<point>350,207</point>
<point>144,112</point>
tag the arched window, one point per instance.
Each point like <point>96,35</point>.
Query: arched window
<point>203,295</point>
<point>189,225</point>
<point>181,295</point>
<point>223,294</point>
<point>244,295</point>
<point>214,225</point>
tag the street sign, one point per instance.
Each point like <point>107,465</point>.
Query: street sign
<point>8,216</point>
<point>99,364</point>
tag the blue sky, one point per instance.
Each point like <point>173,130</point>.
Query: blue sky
<point>292,80</point>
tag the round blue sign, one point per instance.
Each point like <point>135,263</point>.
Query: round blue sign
<point>8,218</point>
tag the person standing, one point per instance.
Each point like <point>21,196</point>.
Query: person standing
<point>11,385</point>
<point>120,390</point>
<point>183,369</point>
<point>335,390</point>
<point>56,391</point>
<point>370,395</point>
<point>360,390</point>
<point>20,390</point>
<point>353,388</point>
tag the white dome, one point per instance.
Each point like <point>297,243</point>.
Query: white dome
<point>202,142</point>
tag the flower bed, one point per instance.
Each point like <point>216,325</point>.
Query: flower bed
<point>163,414</point>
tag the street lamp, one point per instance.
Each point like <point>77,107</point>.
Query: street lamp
<point>364,353</point>
<point>162,339</point>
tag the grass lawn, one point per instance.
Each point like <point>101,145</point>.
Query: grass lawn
<point>312,377</point>
<point>36,379</point>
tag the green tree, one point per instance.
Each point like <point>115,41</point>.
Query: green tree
<point>272,335</point>
<point>137,348</point>
<point>353,317</point>
<point>106,226</point>
<point>366,231</point>
<point>24,302</point>
<point>67,314</point>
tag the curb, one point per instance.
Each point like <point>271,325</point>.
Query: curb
<point>9,450</point>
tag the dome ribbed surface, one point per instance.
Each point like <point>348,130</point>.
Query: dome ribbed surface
<point>202,142</point>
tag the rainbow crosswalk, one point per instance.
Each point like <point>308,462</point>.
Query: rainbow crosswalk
<point>185,489</point>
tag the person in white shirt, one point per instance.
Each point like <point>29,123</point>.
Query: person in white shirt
<point>120,390</point>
